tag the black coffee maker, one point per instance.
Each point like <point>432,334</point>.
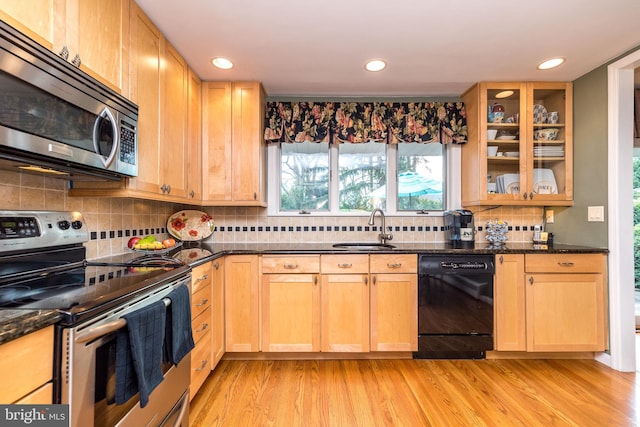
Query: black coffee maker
<point>459,228</point>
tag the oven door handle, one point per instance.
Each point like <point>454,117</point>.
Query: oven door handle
<point>107,328</point>
<point>100,331</point>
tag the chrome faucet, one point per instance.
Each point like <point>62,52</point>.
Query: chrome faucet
<point>383,236</point>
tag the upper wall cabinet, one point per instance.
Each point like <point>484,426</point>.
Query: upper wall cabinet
<point>234,151</point>
<point>520,146</point>
<point>160,81</point>
<point>93,33</point>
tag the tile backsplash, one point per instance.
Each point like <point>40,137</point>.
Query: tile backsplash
<point>112,221</point>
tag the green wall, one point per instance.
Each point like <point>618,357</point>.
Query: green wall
<point>589,164</point>
<point>590,156</point>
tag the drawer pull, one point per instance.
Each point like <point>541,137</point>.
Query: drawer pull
<point>204,363</point>
<point>217,265</point>
<point>346,265</point>
<point>290,266</point>
<point>201,278</point>
<point>204,302</point>
<point>203,328</point>
<point>565,264</point>
<point>394,265</point>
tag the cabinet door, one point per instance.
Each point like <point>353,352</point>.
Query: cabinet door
<point>217,312</point>
<point>34,18</point>
<point>173,153</point>
<point>146,49</point>
<point>98,32</point>
<point>565,312</point>
<point>509,303</point>
<point>549,161</point>
<point>242,303</point>
<point>216,141</point>
<point>344,313</point>
<point>194,137</point>
<point>249,149</point>
<point>290,312</point>
<point>394,312</point>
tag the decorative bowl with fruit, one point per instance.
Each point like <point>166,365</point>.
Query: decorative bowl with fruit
<point>150,244</point>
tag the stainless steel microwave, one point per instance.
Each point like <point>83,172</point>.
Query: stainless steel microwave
<point>55,117</point>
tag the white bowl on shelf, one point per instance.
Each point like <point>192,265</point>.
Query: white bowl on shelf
<point>491,133</point>
<point>512,154</point>
<point>492,151</point>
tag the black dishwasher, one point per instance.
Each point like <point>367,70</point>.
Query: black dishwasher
<point>455,306</point>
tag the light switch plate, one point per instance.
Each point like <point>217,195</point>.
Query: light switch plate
<point>595,213</point>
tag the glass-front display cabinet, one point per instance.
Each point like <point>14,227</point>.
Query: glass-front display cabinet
<point>519,149</point>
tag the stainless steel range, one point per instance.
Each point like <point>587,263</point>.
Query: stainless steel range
<point>43,266</point>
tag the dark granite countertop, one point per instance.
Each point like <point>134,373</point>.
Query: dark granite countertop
<point>198,253</point>
<point>15,323</point>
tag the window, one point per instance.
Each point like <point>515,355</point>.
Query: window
<point>322,178</point>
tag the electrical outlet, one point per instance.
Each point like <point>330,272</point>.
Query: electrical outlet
<point>595,213</point>
<point>549,216</point>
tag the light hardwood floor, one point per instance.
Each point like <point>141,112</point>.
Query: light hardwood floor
<point>417,393</point>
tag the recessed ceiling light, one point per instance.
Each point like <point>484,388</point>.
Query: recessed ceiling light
<point>375,65</point>
<point>222,63</point>
<point>504,94</point>
<point>550,63</point>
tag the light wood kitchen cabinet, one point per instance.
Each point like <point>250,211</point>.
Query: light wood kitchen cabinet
<point>291,303</point>
<point>160,86</point>
<point>201,300</point>
<point>172,145</point>
<point>97,31</point>
<point>242,303</point>
<point>394,302</point>
<point>194,137</point>
<point>234,150</point>
<point>563,299</point>
<point>217,312</point>
<point>527,169</point>
<point>344,303</point>
<point>509,303</point>
<point>26,368</point>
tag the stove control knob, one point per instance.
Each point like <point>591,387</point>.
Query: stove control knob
<point>76,225</point>
<point>64,225</point>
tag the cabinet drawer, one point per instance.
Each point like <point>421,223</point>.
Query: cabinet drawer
<point>200,301</point>
<point>200,365</point>
<point>201,325</point>
<point>41,396</point>
<point>344,264</point>
<point>26,363</point>
<point>565,263</point>
<point>200,277</point>
<point>392,263</point>
<point>291,264</point>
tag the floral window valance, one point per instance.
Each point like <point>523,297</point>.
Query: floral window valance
<point>357,122</point>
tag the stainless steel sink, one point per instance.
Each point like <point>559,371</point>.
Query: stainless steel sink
<point>364,246</point>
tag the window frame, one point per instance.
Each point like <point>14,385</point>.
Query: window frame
<point>452,199</point>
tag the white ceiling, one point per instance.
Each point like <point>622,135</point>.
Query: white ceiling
<point>433,48</point>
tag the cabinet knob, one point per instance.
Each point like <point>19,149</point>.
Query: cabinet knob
<point>192,194</point>
<point>531,196</point>
<point>501,259</point>
<point>366,281</point>
<point>64,53</point>
<point>217,265</point>
<point>203,328</point>
<point>255,196</point>
<point>531,280</point>
<point>168,189</point>
<point>76,60</point>
<point>204,363</point>
<point>373,280</point>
